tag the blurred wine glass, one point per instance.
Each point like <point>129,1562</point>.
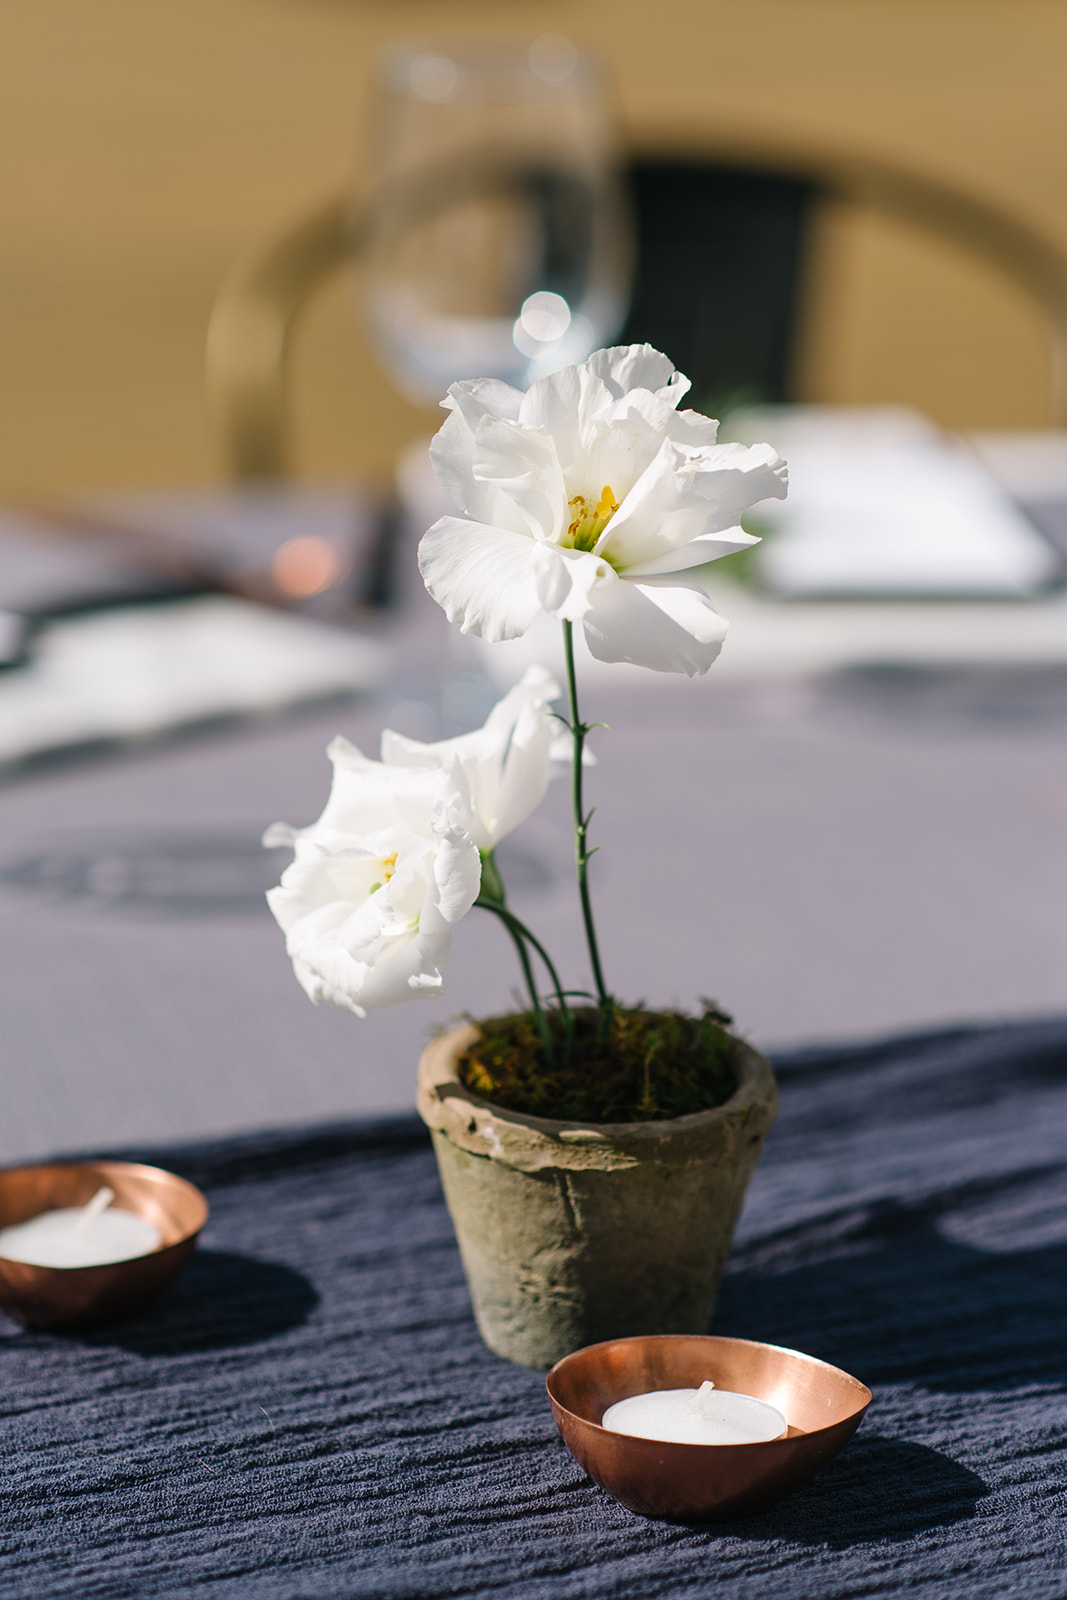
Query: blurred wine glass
<point>499,235</point>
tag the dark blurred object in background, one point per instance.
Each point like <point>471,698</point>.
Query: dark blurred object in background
<point>720,257</point>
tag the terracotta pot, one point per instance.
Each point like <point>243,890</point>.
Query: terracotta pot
<point>572,1233</point>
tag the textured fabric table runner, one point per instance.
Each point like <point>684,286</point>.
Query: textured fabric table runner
<point>310,1411</point>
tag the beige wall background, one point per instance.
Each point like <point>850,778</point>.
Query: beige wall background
<point>146,144</point>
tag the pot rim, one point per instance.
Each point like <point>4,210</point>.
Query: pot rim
<point>448,1106</point>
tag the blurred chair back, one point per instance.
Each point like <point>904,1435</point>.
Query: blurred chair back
<point>718,275</point>
<point>720,263</point>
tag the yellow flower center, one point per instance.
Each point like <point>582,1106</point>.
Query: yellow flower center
<point>388,866</point>
<point>590,520</point>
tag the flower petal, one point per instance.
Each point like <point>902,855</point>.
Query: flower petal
<point>411,972</point>
<point>555,404</point>
<point>685,509</point>
<point>536,688</point>
<point>457,878</point>
<point>523,468</point>
<point>620,446</point>
<point>623,438</point>
<point>365,796</point>
<point>482,577</point>
<point>638,366</point>
<point>704,548</point>
<point>452,457</point>
<point>321,991</point>
<point>732,477</point>
<point>658,516</point>
<point>476,398</point>
<point>500,771</point>
<point>452,448</point>
<point>566,578</point>
<point>667,627</point>
<point>280,835</point>
<point>549,566</point>
<point>691,428</point>
<point>527,769</point>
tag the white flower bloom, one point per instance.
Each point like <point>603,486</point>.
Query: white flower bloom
<point>368,903</point>
<point>587,497</point>
<point>507,763</point>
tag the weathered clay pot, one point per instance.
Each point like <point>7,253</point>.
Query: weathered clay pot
<point>573,1232</point>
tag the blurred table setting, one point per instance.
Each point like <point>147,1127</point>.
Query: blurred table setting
<point>130,615</point>
<point>876,785</point>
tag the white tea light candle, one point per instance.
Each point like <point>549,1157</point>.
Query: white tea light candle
<point>93,1235</point>
<point>696,1416</point>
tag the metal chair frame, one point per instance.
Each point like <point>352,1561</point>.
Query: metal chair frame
<point>259,303</point>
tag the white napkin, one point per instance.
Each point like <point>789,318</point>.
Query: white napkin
<point>134,672</point>
<point>883,504</point>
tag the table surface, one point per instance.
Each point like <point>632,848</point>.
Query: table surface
<point>831,857</point>
<point>309,1412</point>
<point>854,824</point>
<point>840,850</point>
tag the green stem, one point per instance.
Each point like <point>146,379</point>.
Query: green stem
<point>493,897</point>
<point>519,930</point>
<point>527,972</point>
<point>579,729</point>
<point>535,943</point>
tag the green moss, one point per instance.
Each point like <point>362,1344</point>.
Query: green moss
<point>655,1064</point>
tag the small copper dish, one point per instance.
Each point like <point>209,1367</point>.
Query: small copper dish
<point>702,1482</point>
<point>78,1297</point>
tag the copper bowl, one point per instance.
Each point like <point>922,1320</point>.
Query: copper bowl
<point>702,1482</point>
<point>77,1297</point>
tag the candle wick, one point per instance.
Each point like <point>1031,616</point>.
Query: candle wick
<point>100,1202</point>
<point>699,1399</point>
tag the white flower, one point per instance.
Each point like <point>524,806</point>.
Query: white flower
<point>589,497</point>
<point>368,904</point>
<point>507,763</point>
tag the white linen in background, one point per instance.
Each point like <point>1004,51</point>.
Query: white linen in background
<point>827,868</point>
<point>138,671</point>
<point>128,671</point>
<point>882,503</point>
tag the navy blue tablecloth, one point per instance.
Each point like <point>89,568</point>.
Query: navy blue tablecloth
<point>310,1412</point>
